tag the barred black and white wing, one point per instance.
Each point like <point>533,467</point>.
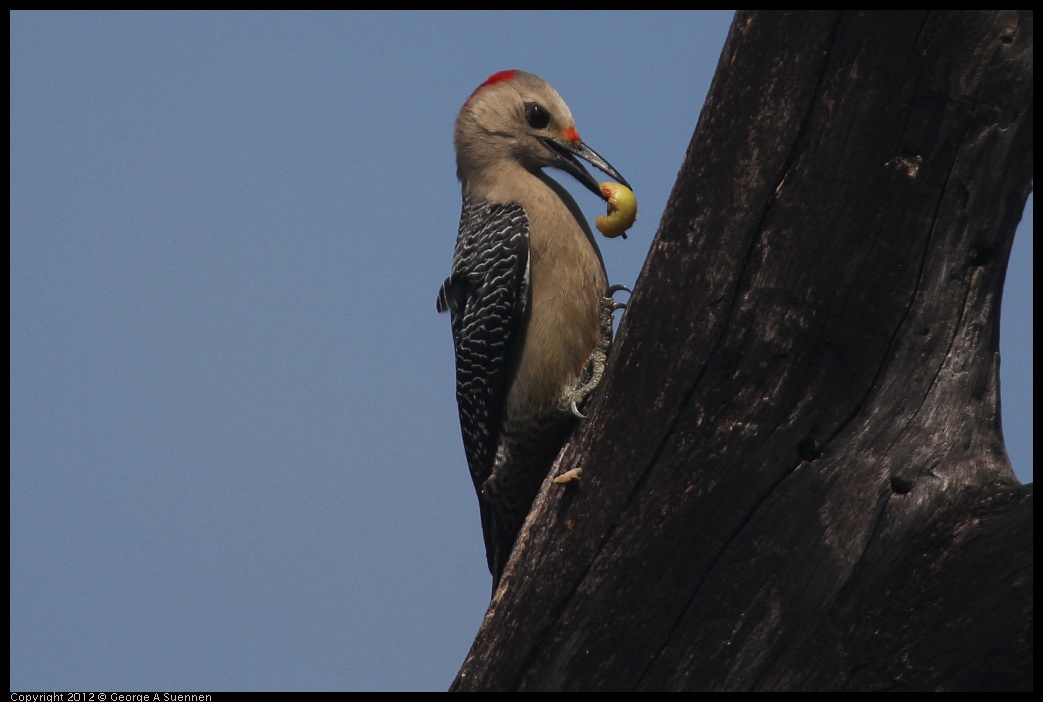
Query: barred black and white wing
<point>486,295</point>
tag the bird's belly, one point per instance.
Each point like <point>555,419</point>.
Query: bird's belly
<point>559,338</point>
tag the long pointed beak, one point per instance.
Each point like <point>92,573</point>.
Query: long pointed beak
<point>568,151</point>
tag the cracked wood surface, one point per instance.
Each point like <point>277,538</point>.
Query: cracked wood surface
<point>794,475</point>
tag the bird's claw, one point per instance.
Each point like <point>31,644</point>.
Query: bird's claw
<point>595,368</point>
<point>610,296</point>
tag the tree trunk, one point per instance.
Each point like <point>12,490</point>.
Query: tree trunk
<point>794,474</point>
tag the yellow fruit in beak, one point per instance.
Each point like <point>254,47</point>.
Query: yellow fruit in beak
<point>622,210</point>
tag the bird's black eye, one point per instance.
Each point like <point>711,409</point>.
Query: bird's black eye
<point>536,116</point>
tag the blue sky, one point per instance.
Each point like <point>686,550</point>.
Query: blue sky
<point>235,456</point>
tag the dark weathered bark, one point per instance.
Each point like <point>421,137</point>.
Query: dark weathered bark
<point>794,473</point>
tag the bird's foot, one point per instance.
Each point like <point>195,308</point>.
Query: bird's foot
<point>595,368</point>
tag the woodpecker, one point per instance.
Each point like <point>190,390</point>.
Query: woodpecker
<point>530,308</point>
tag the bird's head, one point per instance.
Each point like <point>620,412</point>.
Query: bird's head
<point>515,117</point>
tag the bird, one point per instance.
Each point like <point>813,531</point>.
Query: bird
<point>530,307</point>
